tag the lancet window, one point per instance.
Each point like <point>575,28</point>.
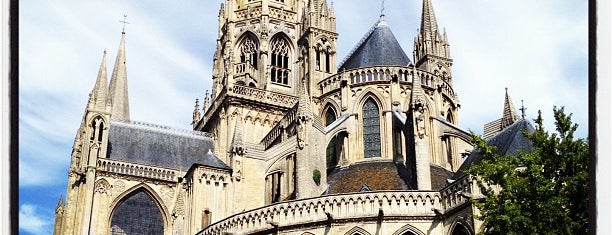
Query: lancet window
<point>371,129</point>
<point>279,61</point>
<point>248,52</point>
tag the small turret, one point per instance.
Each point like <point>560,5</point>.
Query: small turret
<point>196,113</point>
<point>99,94</point>
<point>431,49</point>
<point>510,115</point>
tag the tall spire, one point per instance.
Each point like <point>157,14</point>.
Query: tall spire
<point>99,94</point>
<point>431,47</point>
<point>119,85</point>
<point>429,25</point>
<point>510,115</point>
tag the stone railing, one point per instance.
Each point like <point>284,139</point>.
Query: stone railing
<point>249,12</point>
<point>383,73</point>
<point>459,192</point>
<point>282,14</point>
<point>137,170</point>
<point>270,97</point>
<point>334,207</point>
<point>277,130</point>
<point>243,69</point>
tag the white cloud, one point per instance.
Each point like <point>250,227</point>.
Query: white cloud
<point>31,221</point>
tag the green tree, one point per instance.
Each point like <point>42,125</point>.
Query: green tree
<point>544,191</point>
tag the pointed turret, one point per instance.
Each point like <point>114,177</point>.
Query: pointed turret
<point>429,25</point>
<point>237,140</point>
<point>378,47</point>
<point>99,93</point>
<point>119,86</point>
<point>431,48</point>
<point>304,106</point>
<point>510,115</point>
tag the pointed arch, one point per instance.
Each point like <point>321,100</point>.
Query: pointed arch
<point>281,49</point>
<point>247,49</point>
<point>373,93</point>
<point>330,114</point>
<point>97,128</point>
<point>460,228</point>
<point>371,128</point>
<point>357,230</point>
<point>138,198</point>
<point>408,230</point>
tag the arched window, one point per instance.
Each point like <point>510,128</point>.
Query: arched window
<point>331,153</point>
<point>279,61</point>
<point>137,214</point>
<point>97,129</point>
<point>460,230</point>
<point>248,52</point>
<point>330,116</point>
<point>371,129</point>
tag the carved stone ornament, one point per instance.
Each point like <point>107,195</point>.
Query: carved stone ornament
<point>420,119</point>
<point>118,187</point>
<point>166,193</point>
<point>301,131</point>
<point>101,186</point>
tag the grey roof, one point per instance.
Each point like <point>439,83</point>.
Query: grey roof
<point>508,142</point>
<point>378,48</point>
<point>160,146</point>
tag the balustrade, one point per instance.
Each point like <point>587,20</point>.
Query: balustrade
<point>264,95</point>
<point>343,206</point>
<point>137,170</point>
<point>374,74</point>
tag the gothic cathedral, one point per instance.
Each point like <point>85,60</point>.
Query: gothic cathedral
<point>290,140</point>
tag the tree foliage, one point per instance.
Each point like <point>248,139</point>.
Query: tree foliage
<point>544,191</point>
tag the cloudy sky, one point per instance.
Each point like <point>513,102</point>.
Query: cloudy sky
<point>538,49</point>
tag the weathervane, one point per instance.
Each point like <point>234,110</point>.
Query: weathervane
<point>523,110</point>
<point>124,21</point>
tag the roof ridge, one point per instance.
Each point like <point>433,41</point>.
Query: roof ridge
<point>161,128</point>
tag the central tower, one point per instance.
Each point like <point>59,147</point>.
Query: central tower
<point>270,49</point>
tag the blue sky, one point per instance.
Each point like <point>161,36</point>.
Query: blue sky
<point>538,49</point>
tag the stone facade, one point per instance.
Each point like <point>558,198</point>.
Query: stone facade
<point>285,142</point>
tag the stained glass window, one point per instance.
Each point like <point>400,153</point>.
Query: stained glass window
<point>371,129</point>
<point>137,214</point>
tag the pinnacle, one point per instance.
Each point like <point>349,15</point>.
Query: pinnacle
<point>119,86</point>
<point>510,115</point>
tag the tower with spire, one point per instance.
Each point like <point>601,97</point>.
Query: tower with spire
<point>431,48</point>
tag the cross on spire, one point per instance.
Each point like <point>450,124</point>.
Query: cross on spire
<point>522,110</point>
<point>382,9</point>
<point>124,21</point>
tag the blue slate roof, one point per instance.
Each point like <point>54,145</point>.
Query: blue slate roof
<point>161,146</point>
<point>508,142</point>
<point>379,47</point>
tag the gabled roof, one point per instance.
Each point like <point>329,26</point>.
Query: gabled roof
<point>508,142</point>
<point>160,146</point>
<point>379,47</point>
